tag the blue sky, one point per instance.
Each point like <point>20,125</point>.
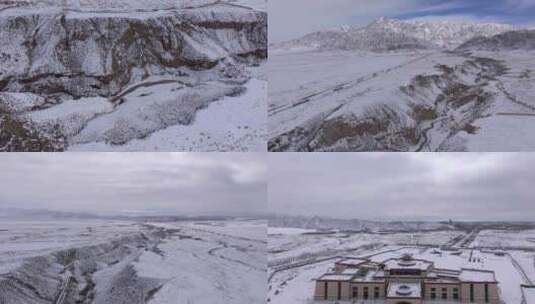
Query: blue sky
<point>290,19</point>
<point>506,11</point>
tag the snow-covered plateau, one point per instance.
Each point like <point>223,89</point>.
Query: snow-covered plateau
<point>296,258</point>
<point>133,75</point>
<point>404,86</point>
<point>105,261</point>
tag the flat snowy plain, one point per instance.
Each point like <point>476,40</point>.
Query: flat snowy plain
<point>295,260</point>
<point>171,262</point>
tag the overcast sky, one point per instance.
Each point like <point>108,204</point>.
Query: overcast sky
<point>461,186</point>
<point>135,183</point>
<point>290,19</point>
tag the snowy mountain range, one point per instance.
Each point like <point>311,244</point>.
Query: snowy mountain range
<point>157,216</point>
<point>513,40</point>
<point>327,223</point>
<point>386,34</point>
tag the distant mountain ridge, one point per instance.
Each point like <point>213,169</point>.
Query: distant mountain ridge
<point>44,214</point>
<point>326,223</point>
<point>322,223</point>
<point>512,40</point>
<point>386,34</point>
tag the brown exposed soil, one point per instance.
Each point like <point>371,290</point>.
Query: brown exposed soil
<point>16,134</point>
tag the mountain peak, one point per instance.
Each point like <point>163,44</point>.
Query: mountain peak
<point>444,34</point>
<point>387,33</point>
<point>383,19</point>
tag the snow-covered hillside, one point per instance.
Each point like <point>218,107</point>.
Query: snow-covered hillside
<point>387,34</point>
<point>137,5</point>
<point>102,261</point>
<point>508,41</point>
<point>106,74</point>
<point>476,98</point>
<point>445,34</point>
<point>209,262</point>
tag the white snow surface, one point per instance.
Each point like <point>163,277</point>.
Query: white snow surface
<point>220,264</point>
<point>228,124</point>
<point>287,247</point>
<point>24,239</point>
<point>181,262</point>
<point>293,76</point>
<point>119,5</point>
<point>288,231</point>
<point>158,107</point>
<point>12,102</point>
<point>308,88</point>
<point>505,238</point>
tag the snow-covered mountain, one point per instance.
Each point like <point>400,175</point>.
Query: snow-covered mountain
<point>386,34</point>
<point>446,34</point>
<point>512,40</point>
<point>72,76</point>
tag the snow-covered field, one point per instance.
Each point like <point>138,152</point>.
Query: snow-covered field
<point>295,75</point>
<point>526,260</point>
<point>102,261</point>
<point>296,246</point>
<point>288,231</point>
<point>505,238</point>
<point>220,264</point>
<point>335,101</point>
<point>291,280</point>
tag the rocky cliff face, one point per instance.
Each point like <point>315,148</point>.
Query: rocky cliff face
<point>85,55</point>
<point>61,69</point>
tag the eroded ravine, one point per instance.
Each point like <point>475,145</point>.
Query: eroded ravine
<point>58,69</point>
<point>101,273</point>
<point>439,106</point>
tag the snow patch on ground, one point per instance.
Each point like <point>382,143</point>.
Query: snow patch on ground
<point>214,266</point>
<point>228,124</point>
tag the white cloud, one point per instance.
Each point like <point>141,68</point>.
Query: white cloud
<point>184,183</point>
<point>471,186</point>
